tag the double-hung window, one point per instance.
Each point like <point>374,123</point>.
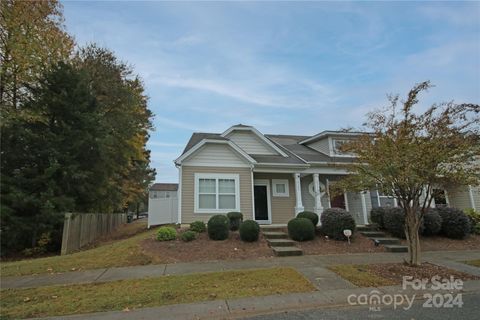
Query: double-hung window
<point>216,193</point>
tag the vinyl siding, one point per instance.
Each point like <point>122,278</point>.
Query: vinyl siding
<point>250,143</point>
<point>321,145</point>
<point>283,208</point>
<point>216,155</point>
<point>188,191</point>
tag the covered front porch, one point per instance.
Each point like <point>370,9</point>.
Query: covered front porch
<point>280,196</point>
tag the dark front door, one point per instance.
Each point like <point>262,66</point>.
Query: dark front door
<point>261,203</point>
<point>338,201</point>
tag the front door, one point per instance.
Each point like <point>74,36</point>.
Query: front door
<point>261,199</point>
<point>338,201</point>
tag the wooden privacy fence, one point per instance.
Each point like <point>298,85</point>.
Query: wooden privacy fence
<point>80,229</point>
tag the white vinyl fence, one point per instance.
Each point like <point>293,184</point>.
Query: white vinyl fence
<point>163,210</point>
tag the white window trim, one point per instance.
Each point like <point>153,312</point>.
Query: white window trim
<point>336,153</point>
<point>274,187</point>
<point>264,182</point>
<point>217,176</point>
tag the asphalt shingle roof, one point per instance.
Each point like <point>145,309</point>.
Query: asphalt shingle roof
<point>288,143</point>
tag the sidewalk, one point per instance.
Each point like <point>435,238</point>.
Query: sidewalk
<point>312,267</point>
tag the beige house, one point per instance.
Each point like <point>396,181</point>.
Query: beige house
<point>271,178</point>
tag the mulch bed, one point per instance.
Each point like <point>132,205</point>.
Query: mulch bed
<point>204,249</point>
<point>323,245</point>
<point>396,271</point>
<point>472,242</point>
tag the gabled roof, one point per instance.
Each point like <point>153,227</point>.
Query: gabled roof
<point>242,127</point>
<point>293,149</point>
<point>197,146</point>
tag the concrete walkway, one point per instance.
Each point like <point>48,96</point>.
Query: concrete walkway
<point>312,267</point>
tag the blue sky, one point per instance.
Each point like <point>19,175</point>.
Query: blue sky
<point>285,68</point>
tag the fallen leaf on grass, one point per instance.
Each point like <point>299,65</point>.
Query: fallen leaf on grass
<point>26,299</point>
<point>126,309</point>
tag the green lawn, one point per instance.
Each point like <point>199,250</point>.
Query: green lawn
<point>131,294</point>
<point>360,276</point>
<point>475,263</point>
<point>126,252</point>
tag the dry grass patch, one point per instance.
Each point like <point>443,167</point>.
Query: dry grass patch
<point>475,263</point>
<point>126,252</point>
<point>360,275</point>
<point>385,274</point>
<point>131,294</point>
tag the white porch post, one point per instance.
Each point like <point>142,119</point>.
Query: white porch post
<point>298,194</point>
<point>364,207</point>
<point>472,199</point>
<point>316,188</point>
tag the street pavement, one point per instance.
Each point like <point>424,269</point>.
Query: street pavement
<point>469,311</point>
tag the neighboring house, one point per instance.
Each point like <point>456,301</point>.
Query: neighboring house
<point>271,178</point>
<point>162,204</point>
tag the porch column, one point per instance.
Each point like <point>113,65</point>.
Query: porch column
<point>364,207</point>
<point>298,194</point>
<point>316,188</point>
<point>472,199</point>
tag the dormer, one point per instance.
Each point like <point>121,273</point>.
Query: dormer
<point>330,142</point>
<point>252,141</point>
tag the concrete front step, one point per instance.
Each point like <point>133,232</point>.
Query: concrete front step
<point>396,248</point>
<point>373,234</point>
<point>270,228</point>
<point>368,227</point>
<point>386,240</point>
<point>275,235</point>
<point>281,243</point>
<point>287,251</point>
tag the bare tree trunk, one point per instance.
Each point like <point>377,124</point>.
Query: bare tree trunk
<point>412,225</point>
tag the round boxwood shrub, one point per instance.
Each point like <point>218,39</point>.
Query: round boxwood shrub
<point>376,216</point>
<point>218,227</point>
<point>301,229</point>
<point>432,223</point>
<point>335,220</point>
<point>198,226</point>
<point>188,236</point>
<point>312,216</point>
<point>166,234</point>
<point>455,223</point>
<point>249,231</point>
<point>474,217</point>
<point>394,222</point>
<point>235,219</point>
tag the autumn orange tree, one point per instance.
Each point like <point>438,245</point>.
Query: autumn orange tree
<point>408,154</point>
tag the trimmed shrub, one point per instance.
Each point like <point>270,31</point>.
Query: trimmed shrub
<point>198,226</point>
<point>432,223</point>
<point>188,236</point>
<point>394,222</point>
<point>235,219</point>
<point>166,234</point>
<point>249,231</point>
<point>218,227</point>
<point>476,228</point>
<point>455,223</point>
<point>334,221</point>
<point>312,216</point>
<point>376,216</point>
<point>301,229</point>
<point>474,217</point>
